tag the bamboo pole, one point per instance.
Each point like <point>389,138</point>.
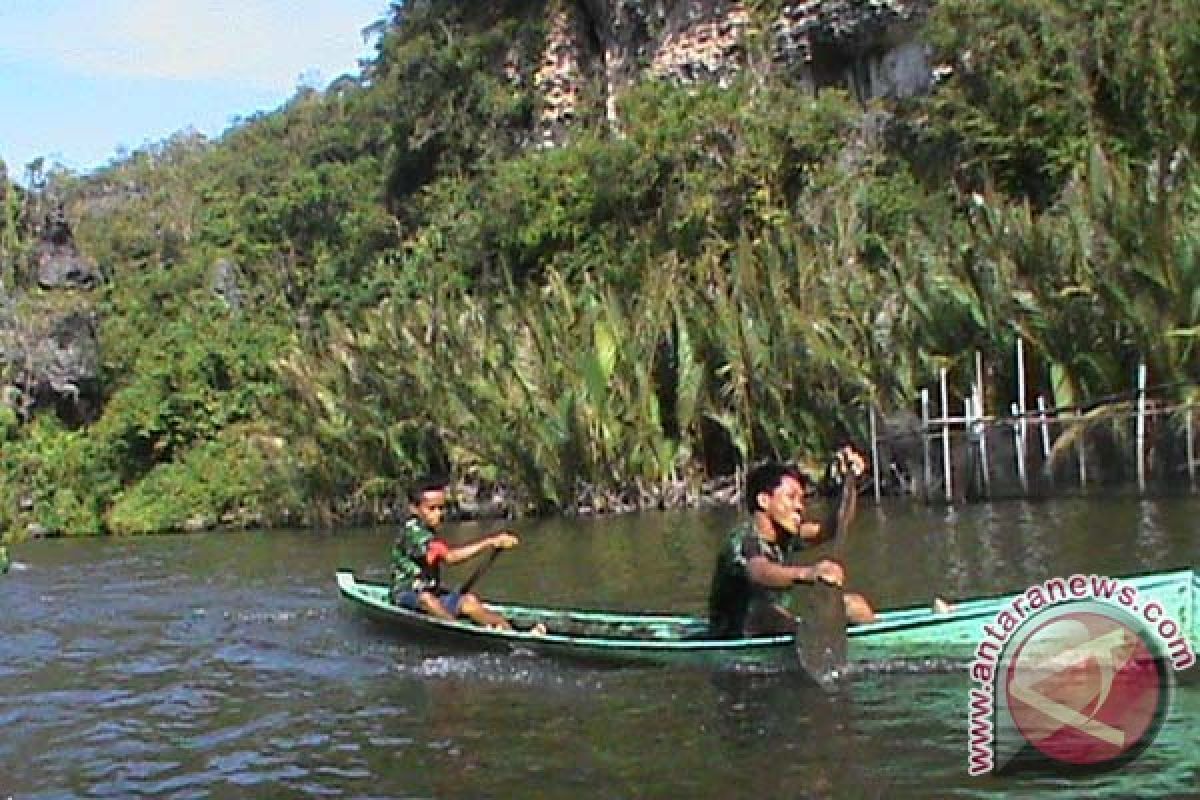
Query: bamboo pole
<point>1019,450</point>
<point>983,458</point>
<point>1191,446</point>
<point>979,416</point>
<point>925,441</point>
<point>1045,428</point>
<point>1044,431</point>
<point>874,453</point>
<point>974,428</point>
<point>1020,410</point>
<point>968,429</point>
<point>1141,427</point>
<point>979,381</point>
<point>946,437</point>
<point>1081,450</point>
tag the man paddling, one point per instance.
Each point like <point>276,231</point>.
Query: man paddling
<point>752,576</point>
<point>418,556</point>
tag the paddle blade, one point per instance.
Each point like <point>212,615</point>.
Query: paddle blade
<point>821,646</point>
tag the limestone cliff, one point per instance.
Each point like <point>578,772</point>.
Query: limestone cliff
<point>870,47</point>
<point>49,354</point>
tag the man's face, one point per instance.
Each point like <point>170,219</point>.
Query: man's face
<point>431,509</point>
<point>785,505</point>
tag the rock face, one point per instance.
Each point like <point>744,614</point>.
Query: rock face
<point>48,343</point>
<point>870,47</point>
<point>52,359</point>
<point>223,278</point>
<point>59,263</point>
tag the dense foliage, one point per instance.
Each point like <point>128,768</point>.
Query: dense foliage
<point>738,273</point>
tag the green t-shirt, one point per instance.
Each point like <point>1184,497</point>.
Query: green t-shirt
<point>411,570</point>
<point>736,605</point>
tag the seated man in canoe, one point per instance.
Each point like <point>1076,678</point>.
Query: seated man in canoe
<point>753,576</point>
<point>418,556</point>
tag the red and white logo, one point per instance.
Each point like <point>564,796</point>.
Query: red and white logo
<point>1084,686</point>
<point>1073,673</point>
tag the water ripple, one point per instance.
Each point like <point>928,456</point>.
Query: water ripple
<point>225,666</point>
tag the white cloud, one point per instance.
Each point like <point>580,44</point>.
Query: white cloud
<point>263,43</point>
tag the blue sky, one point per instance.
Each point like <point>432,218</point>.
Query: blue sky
<point>82,79</point>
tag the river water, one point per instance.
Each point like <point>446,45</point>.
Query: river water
<point>226,666</point>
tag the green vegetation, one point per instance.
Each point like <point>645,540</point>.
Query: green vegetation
<point>739,273</point>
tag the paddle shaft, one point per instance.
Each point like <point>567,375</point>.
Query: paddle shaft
<point>478,573</point>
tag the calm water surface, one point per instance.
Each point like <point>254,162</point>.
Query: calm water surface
<point>226,666</point>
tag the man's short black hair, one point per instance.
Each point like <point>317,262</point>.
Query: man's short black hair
<point>429,483</point>
<point>767,478</point>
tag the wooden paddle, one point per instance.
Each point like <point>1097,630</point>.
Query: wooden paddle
<point>821,645</point>
<point>478,573</point>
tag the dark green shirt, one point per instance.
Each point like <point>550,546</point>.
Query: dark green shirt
<point>411,570</point>
<point>736,605</point>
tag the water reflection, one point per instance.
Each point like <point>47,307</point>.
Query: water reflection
<point>1150,537</point>
<point>791,735</point>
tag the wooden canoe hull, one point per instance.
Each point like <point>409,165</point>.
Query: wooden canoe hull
<point>590,636</point>
<point>909,635</point>
<point>916,633</point>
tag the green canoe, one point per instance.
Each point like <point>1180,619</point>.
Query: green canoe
<point>900,636</point>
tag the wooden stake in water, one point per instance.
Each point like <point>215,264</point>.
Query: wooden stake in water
<point>1020,410</point>
<point>1191,446</point>
<point>978,430</point>
<point>980,413</point>
<point>1081,449</point>
<point>972,438</point>
<point>969,430</point>
<point>946,438</point>
<point>925,441</point>
<point>1141,427</point>
<point>979,382</point>
<point>874,454</point>
<point>1019,449</point>
<point>1044,428</point>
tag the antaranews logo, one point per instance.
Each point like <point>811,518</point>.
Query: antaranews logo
<point>1074,673</point>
